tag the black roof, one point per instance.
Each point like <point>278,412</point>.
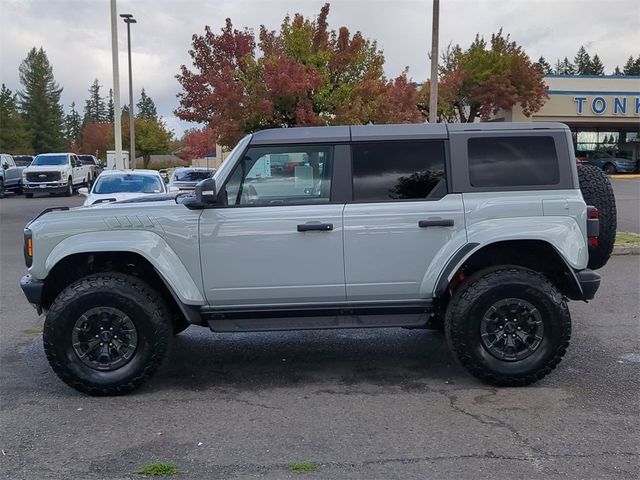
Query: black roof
<point>414,131</point>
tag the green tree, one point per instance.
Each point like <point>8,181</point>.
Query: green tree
<point>14,137</point>
<point>543,66</point>
<point>39,102</point>
<point>617,70</point>
<point>489,77</point>
<point>302,74</point>
<point>110,107</point>
<point>95,109</point>
<point>152,137</point>
<point>124,112</point>
<point>582,62</point>
<point>632,67</point>
<point>73,127</point>
<point>597,67</point>
<point>146,107</point>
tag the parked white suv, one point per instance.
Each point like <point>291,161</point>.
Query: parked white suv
<point>478,228</point>
<point>55,173</point>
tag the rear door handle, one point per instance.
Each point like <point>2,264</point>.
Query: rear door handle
<point>320,227</point>
<point>438,222</point>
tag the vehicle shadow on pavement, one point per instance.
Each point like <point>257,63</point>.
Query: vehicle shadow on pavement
<point>393,358</point>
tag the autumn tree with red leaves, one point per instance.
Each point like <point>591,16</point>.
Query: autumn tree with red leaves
<point>486,78</point>
<point>304,74</point>
<point>198,143</point>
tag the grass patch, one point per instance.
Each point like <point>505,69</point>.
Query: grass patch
<point>157,469</point>
<point>302,467</point>
<point>33,330</point>
<point>628,239</point>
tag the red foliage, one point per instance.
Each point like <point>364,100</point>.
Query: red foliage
<point>198,143</point>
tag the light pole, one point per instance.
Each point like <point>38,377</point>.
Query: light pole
<point>433,91</point>
<point>128,19</point>
<point>117,134</point>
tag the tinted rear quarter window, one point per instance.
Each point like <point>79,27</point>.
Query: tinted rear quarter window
<point>513,161</point>
<point>400,170</point>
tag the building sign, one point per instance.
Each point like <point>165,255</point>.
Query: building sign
<point>607,105</point>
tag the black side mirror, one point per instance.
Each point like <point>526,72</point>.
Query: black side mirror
<point>205,195</point>
<point>5,166</point>
<point>206,192</point>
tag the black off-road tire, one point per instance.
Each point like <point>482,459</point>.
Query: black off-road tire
<point>473,300</point>
<point>144,307</point>
<point>1,188</point>
<point>596,190</point>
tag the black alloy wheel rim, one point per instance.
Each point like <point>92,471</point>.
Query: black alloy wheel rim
<point>104,338</point>
<point>511,329</point>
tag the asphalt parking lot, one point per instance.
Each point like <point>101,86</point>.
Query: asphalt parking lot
<point>627,194</point>
<point>363,404</point>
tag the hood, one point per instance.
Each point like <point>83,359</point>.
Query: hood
<point>45,168</point>
<point>93,197</point>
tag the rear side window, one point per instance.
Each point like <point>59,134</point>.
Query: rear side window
<point>385,171</point>
<point>512,161</point>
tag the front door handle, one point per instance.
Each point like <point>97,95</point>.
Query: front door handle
<point>437,222</point>
<point>320,227</point>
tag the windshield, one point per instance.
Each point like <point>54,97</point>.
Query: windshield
<point>23,161</point>
<point>191,175</point>
<point>128,183</point>
<point>86,160</point>
<point>50,160</point>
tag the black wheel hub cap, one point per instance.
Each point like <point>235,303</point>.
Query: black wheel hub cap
<point>104,338</point>
<point>511,329</point>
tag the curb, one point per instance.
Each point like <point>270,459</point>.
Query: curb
<point>626,250</point>
<point>629,176</point>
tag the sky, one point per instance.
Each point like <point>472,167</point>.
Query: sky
<point>76,35</point>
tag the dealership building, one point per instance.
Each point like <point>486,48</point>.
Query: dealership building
<point>603,112</point>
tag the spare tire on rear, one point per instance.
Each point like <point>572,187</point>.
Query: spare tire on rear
<point>596,190</point>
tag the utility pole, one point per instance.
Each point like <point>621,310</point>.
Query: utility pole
<point>433,91</point>
<point>116,86</point>
<point>128,19</point>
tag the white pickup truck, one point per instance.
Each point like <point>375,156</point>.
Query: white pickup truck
<point>55,173</point>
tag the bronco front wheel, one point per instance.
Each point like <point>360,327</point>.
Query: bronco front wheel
<point>106,334</point>
<point>509,326</point>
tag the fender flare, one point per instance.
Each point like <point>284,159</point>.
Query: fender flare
<point>148,245</point>
<point>562,233</point>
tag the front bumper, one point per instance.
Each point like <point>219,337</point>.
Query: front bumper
<point>49,187</point>
<point>32,289</point>
<point>589,283</point>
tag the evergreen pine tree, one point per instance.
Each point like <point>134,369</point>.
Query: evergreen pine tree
<point>617,70</point>
<point>597,68</point>
<point>582,62</point>
<point>543,66</point>
<point>629,67</point>
<point>146,107</point>
<point>565,67</point>
<point>39,102</point>
<point>14,137</point>
<point>95,110</point>
<point>110,107</point>
<point>73,127</point>
<point>124,112</point>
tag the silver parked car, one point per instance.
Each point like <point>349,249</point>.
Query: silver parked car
<point>188,177</point>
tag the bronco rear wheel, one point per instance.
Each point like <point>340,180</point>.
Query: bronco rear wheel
<point>508,326</point>
<point>106,334</point>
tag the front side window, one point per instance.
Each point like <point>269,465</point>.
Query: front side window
<point>281,175</point>
<point>513,161</point>
<point>384,171</point>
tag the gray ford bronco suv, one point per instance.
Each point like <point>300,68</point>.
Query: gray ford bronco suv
<point>481,229</point>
